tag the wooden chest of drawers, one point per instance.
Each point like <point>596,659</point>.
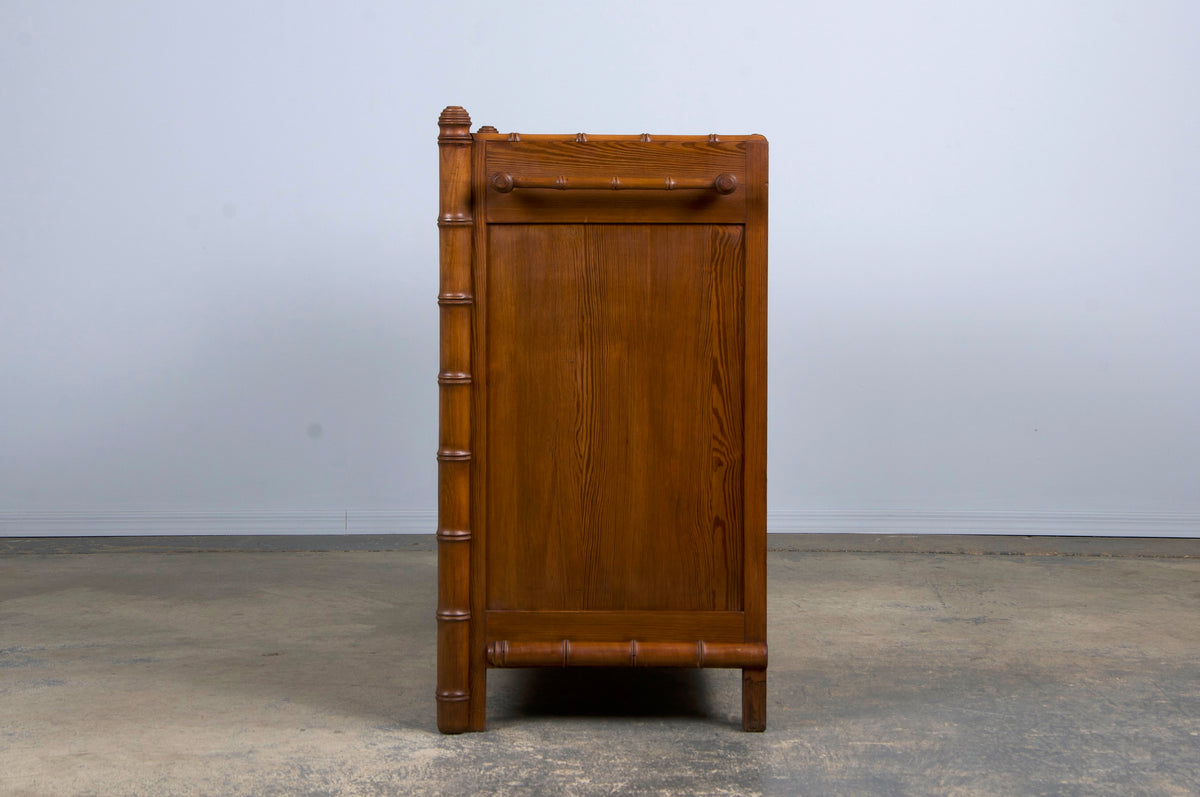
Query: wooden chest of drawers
<point>602,449</point>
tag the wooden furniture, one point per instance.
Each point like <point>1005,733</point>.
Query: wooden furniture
<point>602,451</point>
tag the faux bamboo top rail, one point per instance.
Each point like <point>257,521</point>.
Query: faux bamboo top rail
<point>724,183</point>
<point>614,180</point>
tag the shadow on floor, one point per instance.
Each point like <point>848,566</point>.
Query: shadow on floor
<point>601,692</point>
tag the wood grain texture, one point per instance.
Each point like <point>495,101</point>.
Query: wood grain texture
<point>601,206</point>
<point>615,414</point>
<point>754,697</point>
<point>689,157</point>
<point>754,681</point>
<point>616,626</point>
<point>755,370</point>
<point>598,162</point>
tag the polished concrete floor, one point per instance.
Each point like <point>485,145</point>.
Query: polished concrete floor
<point>130,672</point>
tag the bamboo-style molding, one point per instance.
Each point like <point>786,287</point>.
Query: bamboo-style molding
<point>505,653</point>
<point>724,183</point>
<point>456,305</point>
<point>454,535</point>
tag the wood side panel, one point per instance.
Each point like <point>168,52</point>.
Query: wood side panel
<point>616,626</point>
<point>602,442</point>
<point>726,466</point>
<point>645,452</point>
<point>535,503</point>
<point>615,394</point>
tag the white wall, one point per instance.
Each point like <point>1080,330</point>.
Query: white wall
<point>218,254</point>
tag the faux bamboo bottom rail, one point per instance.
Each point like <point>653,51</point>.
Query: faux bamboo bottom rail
<point>626,654</point>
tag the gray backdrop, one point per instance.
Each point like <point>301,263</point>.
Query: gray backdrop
<point>218,260</point>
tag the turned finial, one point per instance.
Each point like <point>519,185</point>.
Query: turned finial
<point>487,129</point>
<point>455,124</point>
<point>454,116</point>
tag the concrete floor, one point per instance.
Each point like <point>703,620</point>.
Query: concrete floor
<point>313,674</point>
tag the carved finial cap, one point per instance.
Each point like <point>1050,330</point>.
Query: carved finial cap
<point>454,115</point>
<point>488,129</point>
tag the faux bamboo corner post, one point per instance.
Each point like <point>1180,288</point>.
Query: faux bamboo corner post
<point>602,434</point>
<point>454,446</point>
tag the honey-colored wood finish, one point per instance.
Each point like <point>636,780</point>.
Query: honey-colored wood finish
<point>454,445</point>
<point>602,464</point>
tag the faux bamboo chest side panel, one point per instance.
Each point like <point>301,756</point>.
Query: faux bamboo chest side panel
<point>602,464</point>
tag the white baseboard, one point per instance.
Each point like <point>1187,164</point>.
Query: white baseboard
<point>175,523</point>
<point>424,521</point>
<point>1013,522</point>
